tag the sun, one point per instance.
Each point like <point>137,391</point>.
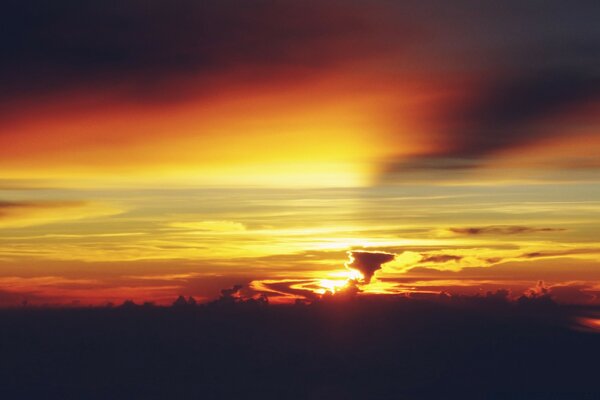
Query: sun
<point>335,285</point>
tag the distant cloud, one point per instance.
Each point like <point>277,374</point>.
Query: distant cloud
<point>210,226</point>
<point>554,269</point>
<point>561,253</point>
<point>501,230</point>
<point>440,258</point>
<point>17,214</point>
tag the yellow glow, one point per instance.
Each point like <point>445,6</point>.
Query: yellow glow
<point>241,137</point>
<point>332,286</point>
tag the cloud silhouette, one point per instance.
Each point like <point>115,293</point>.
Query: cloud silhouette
<point>232,292</point>
<point>573,293</point>
<point>367,262</point>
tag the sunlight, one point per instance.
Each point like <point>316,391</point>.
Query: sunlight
<point>335,285</point>
<point>332,286</point>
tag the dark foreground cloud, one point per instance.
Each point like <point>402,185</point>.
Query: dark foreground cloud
<point>367,262</point>
<point>501,230</point>
<point>361,349</point>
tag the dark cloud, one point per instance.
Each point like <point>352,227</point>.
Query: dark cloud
<point>284,289</point>
<point>531,70</point>
<point>501,230</point>
<point>505,114</point>
<point>6,206</point>
<point>440,258</point>
<point>367,262</point>
<point>560,253</point>
<point>573,294</point>
<point>231,292</point>
<point>52,46</point>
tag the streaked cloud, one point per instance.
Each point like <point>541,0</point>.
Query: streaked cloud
<point>501,230</point>
<point>18,214</point>
<point>209,226</point>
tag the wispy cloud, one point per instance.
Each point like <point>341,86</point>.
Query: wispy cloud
<point>501,230</point>
<point>17,214</point>
<point>209,226</point>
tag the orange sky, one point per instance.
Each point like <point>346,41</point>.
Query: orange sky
<point>259,146</point>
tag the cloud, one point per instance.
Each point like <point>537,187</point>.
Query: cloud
<point>286,290</point>
<point>440,258</point>
<point>560,253</point>
<point>539,82</point>
<point>506,113</point>
<point>573,293</point>
<point>231,292</point>
<point>18,214</point>
<point>550,270</point>
<point>501,230</point>
<point>47,47</point>
<point>367,262</point>
<point>210,226</point>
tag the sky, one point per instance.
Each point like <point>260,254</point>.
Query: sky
<point>297,148</point>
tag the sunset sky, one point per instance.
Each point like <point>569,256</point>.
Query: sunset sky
<point>150,149</point>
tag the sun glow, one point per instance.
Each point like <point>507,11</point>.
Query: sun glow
<point>335,285</point>
<point>591,324</point>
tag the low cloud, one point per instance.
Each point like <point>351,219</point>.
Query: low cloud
<point>573,294</point>
<point>232,292</point>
